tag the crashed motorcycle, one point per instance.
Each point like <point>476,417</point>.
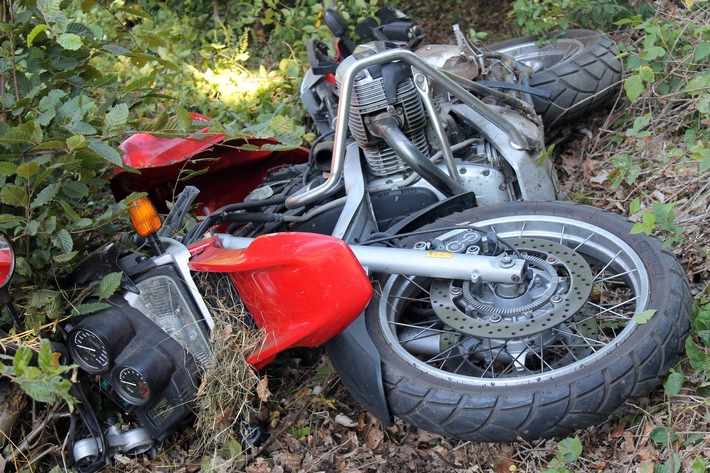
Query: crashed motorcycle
<point>418,239</point>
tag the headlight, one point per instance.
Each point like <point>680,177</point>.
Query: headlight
<point>161,300</point>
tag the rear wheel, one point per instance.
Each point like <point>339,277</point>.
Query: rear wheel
<point>558,352</point>
<point>579,68</point>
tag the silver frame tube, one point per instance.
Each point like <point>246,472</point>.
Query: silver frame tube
<point>341,125</point>
<point>434,264</point>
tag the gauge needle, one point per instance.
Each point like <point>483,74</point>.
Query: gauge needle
<point>129,383</point>
<point>83,347</point>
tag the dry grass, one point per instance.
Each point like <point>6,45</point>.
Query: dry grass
<point>227,393</point>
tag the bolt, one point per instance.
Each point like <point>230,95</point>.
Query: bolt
<point>515,278</point>
<point>505,262</point>
<point>390,109</point>
<point>462,171</point>
<point>475,278</point>
<point>556,299</point>
<point>456,291</point>
<point>420,79</point>
<point>529,315</point>
<point>486,172</point>
<point>551,259</point>
<point>495,318</point>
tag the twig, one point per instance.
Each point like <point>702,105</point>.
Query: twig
<point>36,431</point>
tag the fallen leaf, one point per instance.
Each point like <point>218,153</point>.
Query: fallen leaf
<point>374,438</point>
<point>504,465</point>
<point>618,430</point>
<point>345,421</point>
<point>262,389</point>
<point>630,443</point>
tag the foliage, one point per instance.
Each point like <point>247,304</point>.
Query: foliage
<point>568,451</point>
<point>241,62</point>
<point>61,119</point>
<point>46,381</point>
<point>541,16</point>
<point>667,69</point>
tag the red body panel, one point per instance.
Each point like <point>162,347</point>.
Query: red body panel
<point>228,170</point>
<point>301,288</point>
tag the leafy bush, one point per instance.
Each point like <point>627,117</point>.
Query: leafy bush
<point>240,62</point>
<point>540,16</point>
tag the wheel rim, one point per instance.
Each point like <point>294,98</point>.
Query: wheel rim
<point>619,287</point>
<point>543,57</point>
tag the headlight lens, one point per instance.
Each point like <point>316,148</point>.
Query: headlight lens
<point>161,300</point>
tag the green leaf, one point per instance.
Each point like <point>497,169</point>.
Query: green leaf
<point>32,228</point>
<point>674,383</point>
<point>646,225</point>
<point>75,189</point>
<point>44,359</point>
<point>105,151</point>
<point>77,142</point>
<point>644,316</point>
<point>62,240</point>
<point>570,449</point>
<point>110,284</point>
<point>7,169</point>
<point>635,205</point>
<point>47,389</point>
<point>65,258</point>
<point>82,128</point>
<point>185,119</point>
<point>662,435</point>
<point>14,196</point>
<point>700,465</point>
<point>646,74</point>
<point>45,195</point>
<point>70,41</point>
<point>33,34</point>
<point>116,118</point>
<point>17,136</point>
<point>22,359</point>
<point>27,170</point>
<point>70,211</point>
<point>634,87</point>
<point>696,356</point>
<point>139,84</point>
<point>90,308</point>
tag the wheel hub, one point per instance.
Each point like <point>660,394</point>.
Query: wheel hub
<point>557,286</point>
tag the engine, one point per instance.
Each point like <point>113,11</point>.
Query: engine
<point>386,89</point>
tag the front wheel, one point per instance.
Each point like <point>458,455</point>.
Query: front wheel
<point>579,68</point>
<point>559,351</point>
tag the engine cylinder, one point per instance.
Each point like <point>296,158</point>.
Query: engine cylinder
<point>384,89</point>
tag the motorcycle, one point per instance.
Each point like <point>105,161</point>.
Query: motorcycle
<point>422,246</point>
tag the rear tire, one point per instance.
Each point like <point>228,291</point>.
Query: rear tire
<point>580,69</point>
<point>556,372</point>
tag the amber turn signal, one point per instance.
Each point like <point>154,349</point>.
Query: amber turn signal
<point>144,217</point>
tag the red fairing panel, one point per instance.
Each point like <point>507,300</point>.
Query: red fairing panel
<point>301,288</point>
<point>224,171</point>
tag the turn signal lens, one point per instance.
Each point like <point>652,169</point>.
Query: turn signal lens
<point>144,217</point>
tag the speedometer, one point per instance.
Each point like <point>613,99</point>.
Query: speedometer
<point>95,342</point>
<point>143,375</point>
<point>90,351</point>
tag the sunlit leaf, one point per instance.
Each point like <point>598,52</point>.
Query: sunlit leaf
<point>70,41</point>
<point>109,284</point>
<point>644,316</point>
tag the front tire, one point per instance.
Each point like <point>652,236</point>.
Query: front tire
<point>580,68</point>
<point>497,378</point>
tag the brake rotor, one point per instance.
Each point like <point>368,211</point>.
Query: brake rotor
<point>534,311</point>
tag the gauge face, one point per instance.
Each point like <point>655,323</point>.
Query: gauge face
<point>89,351</point>
<point>132,385</point>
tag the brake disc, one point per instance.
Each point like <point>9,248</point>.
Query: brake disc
<point>543,304</point>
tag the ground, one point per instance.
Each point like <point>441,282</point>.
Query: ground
<point>314,425</point>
